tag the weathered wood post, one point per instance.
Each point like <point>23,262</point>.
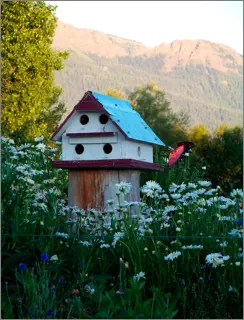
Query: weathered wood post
<point>93,188</point>
<point>104,142</point>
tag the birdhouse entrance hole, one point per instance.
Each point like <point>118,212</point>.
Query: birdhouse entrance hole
<point>103,118</point>
<point>79,149</point>
<point>107,148</point>
<point>84,119</point>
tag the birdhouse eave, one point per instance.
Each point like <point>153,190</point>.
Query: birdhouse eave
<point>107,164</point>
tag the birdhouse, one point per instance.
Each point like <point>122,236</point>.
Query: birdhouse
<point>104,141</point>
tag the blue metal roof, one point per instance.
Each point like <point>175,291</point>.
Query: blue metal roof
<point>128,119</point>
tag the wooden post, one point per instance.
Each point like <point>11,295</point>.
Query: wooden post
<point>91,188</point>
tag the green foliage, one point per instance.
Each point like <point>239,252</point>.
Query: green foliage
<point>52,116</point>
<point>28,65</point>
<point>221,153</point>
<point>154,108</point>
<point>116,93</point>
<point>200,136</point>
<point>197,133</point>
<point>152,64</point>
<point>221,89</point>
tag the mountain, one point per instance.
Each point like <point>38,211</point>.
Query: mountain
<point>203,78</point>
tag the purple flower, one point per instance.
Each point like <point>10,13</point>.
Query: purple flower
<point>25,311</point>
<point>121,310</point>
<point>22,266</point>
<point>119,292</point>
<point>50,312</point>
<point>61,278</point>
<point>240,222</point>
<point>44,257</point>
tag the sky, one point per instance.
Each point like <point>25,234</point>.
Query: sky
<point>156,22</point>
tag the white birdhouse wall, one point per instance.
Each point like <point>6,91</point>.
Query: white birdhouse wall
<point>100,147</point>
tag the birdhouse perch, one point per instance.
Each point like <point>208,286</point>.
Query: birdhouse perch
<point>104,142</point>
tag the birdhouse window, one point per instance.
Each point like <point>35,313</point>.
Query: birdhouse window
<point>103,118</point>
<point>107,148</point>
<point>139,151</point>
<point>84,119</point>
<point>79,149</point>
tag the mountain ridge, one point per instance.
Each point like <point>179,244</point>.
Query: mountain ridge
<point>177,50</point>
<point>61,24</point>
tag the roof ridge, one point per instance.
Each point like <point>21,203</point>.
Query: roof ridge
<point>105,95</point>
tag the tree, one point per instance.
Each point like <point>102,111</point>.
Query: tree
<point>152,104</point>
<point>51,117</point>
<point>197,132</point>
<point>225,158</point>
<point>28,65</point>
<point>201,137</point>
<point>221,153</point>
<point>221,129</point>
<point>116,93</point>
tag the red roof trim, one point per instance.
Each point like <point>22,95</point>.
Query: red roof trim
<point>91,134</point>
<point>88,106</point>
<point>106,164</point>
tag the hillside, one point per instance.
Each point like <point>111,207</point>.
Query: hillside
<point>203,78</point>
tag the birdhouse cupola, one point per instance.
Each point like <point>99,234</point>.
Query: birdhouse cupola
<point>103,131</point>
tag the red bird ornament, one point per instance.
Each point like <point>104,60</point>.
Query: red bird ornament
<point>182,148</point>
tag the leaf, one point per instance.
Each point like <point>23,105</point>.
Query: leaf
<point>7,310</point>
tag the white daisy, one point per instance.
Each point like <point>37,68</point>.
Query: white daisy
<point>54,258</point>
<point>216,259</point>
<point>41,147</point>
<point>172,256</point>
<point>138,276</point>
<point>153,185</point>
<point>123,186</point>
<point>176,196</point>
<point>39,139</point>
<point>204,183</point>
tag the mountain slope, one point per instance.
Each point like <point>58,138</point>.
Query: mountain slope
<point>95,42</point>
<point>203,78</point>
